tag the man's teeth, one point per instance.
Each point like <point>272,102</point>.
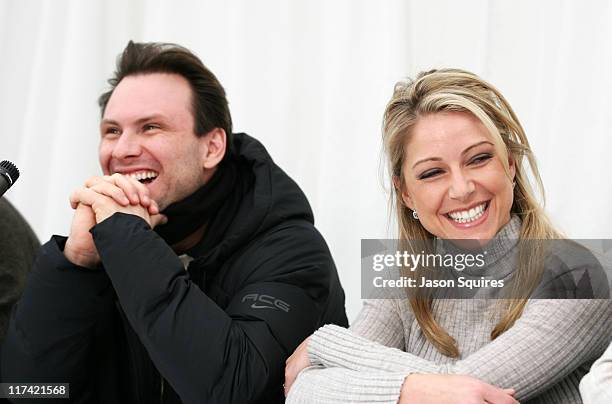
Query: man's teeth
<point>143,175</point>
<point>467,216</point>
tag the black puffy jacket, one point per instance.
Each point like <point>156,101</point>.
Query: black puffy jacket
<point>144,330</point>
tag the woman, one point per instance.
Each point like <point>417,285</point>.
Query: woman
<point>456,152</point>
<point>596,386</point>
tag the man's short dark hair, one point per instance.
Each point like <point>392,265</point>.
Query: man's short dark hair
<point>209,104</point>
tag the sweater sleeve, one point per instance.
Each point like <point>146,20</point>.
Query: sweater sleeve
<point>378,321</point>
<point>317,385</point>
<point>550,340</point>
<point>596,386</point>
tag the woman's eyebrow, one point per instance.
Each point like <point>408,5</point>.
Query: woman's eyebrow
<point>427,159</point>
<point>462,153</point>
<point>476,145</point>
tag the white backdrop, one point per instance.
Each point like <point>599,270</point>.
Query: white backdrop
<point>310,79</point>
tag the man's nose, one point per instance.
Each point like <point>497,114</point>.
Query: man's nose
<point>461,187</point>
<point>128,145</point>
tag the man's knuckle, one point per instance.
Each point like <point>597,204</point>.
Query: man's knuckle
<point>91,180</point>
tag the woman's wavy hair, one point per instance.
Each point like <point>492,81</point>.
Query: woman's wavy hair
<point>458,90</point>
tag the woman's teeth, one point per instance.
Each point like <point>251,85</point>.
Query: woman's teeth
<point>470,215</point>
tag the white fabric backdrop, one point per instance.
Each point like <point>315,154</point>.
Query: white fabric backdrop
<point>310,79</point>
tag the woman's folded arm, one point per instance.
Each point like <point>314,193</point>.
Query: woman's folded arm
<point>550,340</point>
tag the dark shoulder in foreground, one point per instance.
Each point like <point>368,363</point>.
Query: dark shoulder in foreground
<point>573,271</point>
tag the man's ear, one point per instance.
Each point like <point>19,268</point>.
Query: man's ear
<point>400,189</point>
<point>213,146</point>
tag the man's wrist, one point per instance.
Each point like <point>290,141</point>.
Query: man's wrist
<point>80,259</point>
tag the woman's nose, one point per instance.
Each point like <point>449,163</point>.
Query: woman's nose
<point>461,187</point>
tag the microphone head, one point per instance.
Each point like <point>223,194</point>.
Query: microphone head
<point>9,171</point>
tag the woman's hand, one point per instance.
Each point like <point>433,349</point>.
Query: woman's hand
<point>297,362</point>
<point>447,389</point>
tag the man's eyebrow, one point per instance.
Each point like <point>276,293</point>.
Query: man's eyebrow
<point>108,122</point>
<point>467,149</point>
<point>152,117</point>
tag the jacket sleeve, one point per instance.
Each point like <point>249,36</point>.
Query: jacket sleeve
<point>52,327</point>
<point>208,354</point>
<point>550,340</point>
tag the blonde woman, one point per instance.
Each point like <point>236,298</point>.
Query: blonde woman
<point>457,154</point>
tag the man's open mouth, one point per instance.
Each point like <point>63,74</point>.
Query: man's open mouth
<point>144,177</point>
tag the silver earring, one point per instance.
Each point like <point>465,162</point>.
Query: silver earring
<point>513,184</point>
<point>415,215</point>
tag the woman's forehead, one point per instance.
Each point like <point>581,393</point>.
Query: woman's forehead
<point>445,132</point>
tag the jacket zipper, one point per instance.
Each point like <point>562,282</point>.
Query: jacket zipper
<point>132,354</point>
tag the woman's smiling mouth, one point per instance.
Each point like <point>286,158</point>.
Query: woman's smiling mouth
<point>469,217</point>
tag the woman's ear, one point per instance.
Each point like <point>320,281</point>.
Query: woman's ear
<point>401,191</point>
<point>511,167</point>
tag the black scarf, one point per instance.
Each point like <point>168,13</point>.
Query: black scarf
<point>188,215</point>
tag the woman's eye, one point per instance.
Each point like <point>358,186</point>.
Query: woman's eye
<point>481,158</point>
<point>429,174</point>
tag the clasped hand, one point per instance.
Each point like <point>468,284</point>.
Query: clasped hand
<point>117,193</point>
<point>97,200</point>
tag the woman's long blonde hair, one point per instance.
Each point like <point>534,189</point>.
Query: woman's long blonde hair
<point>457,90</point>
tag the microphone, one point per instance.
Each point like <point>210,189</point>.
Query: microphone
<point>8,175</point>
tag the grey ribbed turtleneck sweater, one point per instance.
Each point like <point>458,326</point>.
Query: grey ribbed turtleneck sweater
<point>543,356</point>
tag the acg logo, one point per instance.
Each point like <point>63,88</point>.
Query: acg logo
<point>266,302</point>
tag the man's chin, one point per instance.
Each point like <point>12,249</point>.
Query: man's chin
<point>164,204</point>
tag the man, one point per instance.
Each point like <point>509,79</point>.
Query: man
<point>208,305</point>
<point>18,246</point>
